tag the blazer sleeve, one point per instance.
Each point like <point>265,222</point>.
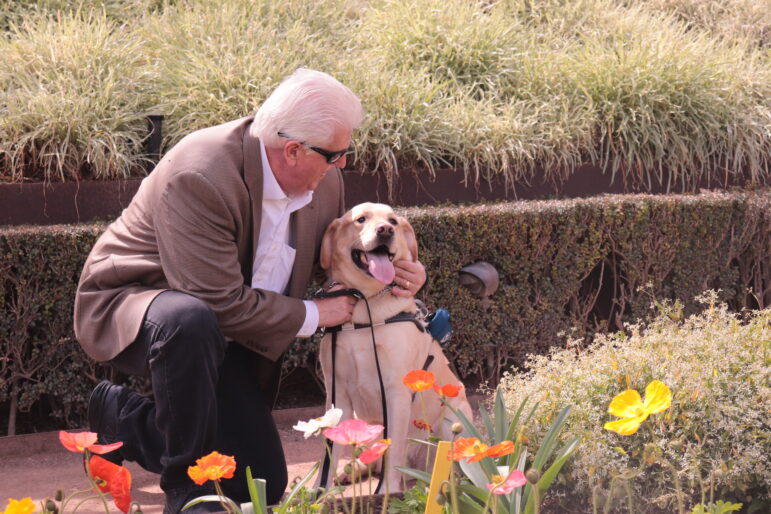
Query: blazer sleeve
<point>196,230</point>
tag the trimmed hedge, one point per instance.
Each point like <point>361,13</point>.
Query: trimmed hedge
<point>587,266</point>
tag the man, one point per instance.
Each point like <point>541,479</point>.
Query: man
<point>198,285</point>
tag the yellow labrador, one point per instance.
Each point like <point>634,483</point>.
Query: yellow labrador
<point>358,250</point>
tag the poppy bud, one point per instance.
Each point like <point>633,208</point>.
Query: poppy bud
<point>441,499</point>
<point>357,451</point>
<point>533,475</point>
<point>51,507</point>
<point>59,495</point>
<point>348,469</point>
<point>457,428</point>
<point>325,508</point>
<point>138,511</point>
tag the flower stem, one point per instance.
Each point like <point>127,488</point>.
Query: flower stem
<point>228,507</point>
<point>87,456</point>
<point>678,488</point>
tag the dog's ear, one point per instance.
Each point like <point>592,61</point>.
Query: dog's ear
<point>409,236</point>
<point>325,257</point>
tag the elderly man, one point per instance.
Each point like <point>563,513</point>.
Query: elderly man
<point>198,285</point>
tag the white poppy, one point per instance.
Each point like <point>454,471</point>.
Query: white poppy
<point>314,426</point>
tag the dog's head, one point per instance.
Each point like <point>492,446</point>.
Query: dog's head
<point>360,247</point>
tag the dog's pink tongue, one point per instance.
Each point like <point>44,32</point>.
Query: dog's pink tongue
<point>381,267</point>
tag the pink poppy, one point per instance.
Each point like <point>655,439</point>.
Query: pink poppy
<point>353,431</point>
<point>500,486</point>
<point>375,451</point>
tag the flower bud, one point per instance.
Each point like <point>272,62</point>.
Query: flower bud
<point>441,499</point>
<point>138,511</point>
<point>51,506</point>
<point>457,428</point>
<point>59,495</point>
<point>325,508</point>
<point>348,469</point>
<point>357,451</point>
<point>533,475</point>
<point>676,445</point>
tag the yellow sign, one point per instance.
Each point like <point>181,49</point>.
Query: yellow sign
<point>442,467</point>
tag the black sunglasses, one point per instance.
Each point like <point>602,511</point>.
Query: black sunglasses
<point>332,157</point>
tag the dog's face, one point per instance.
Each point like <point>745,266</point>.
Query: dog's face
<point>360,247</point>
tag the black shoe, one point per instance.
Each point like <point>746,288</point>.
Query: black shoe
<point>103,409</point>
<point>178,498</point>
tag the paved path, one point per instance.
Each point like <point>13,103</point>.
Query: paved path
<point>36,465</point>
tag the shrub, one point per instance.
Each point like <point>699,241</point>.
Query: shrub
<point>564,265</point>
<point>74,105</point>
<point>715,433</point>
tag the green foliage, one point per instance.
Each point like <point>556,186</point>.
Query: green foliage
<point>716,508</point>
<point>565,266</point>
<point>664,93</point>
<point>713,438</point>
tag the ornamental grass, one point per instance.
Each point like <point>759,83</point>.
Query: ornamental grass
<point>664,93</point>
<point>712,442</point>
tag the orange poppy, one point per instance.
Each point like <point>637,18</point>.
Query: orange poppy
<point>419,380</point>
<point>212,467</point>
<point>469,448</point>
<point>448,390</point>
<point>78,442</point>
<point>113,479</point>
<point>501,449</point>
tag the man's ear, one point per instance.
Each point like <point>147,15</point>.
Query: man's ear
<point>291,151</point>
<point>325,257</point>
<point>409,236</point>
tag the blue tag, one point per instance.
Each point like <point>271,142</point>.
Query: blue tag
<point>439,326</point>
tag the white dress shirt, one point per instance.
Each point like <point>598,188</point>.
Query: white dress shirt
<point>274,257</point>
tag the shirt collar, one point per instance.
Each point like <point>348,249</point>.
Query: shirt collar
<point>271,190</point>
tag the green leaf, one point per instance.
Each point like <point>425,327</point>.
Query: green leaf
<point>304,480</point>
<point>548,442</point>
<point>499,413</point>
<point>489,426</point>
<point>550,474</point>
<point>467,424</point>
<point>213,498</point>
<point>415,473</point>
<point>514,422</point>
<point>256,492</point>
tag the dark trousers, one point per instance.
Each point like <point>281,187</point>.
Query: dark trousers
<point>206,396</point>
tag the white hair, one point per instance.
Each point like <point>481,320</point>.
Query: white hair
<point>309,106</point>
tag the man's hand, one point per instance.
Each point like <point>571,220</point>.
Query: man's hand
<point>410,277</point>
<point>335,311</point>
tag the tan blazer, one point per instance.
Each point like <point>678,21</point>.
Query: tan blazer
<point>192,227</point>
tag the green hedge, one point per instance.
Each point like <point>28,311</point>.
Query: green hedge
<point>584,266</point>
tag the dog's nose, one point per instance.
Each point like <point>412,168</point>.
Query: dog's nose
<point>385,231</point>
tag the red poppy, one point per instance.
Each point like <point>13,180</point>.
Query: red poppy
<point>375,451</point>
<point>81,441</point>
<point>113,479</point>
<point>448,390</point>
<point>214,466</point>
<point>353,431</point>
<point>419,380</point>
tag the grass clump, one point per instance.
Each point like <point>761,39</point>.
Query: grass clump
<point>217,61</point>
<point>74,92</point>
<point>715,435</point>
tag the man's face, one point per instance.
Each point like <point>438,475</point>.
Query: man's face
<point>306,168</point>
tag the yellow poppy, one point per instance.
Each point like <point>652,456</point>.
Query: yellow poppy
<point>633,411</point>
<point>23,506</point>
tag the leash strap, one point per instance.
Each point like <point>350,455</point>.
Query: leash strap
<point>357,294</point>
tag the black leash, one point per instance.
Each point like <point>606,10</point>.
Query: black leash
<point>356,294</point>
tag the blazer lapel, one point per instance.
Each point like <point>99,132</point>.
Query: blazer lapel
<point>303,224</point>
<point>253,180</point>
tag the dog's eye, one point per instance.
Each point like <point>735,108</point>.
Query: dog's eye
<point>361,220</point>
<point>392,221</point>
